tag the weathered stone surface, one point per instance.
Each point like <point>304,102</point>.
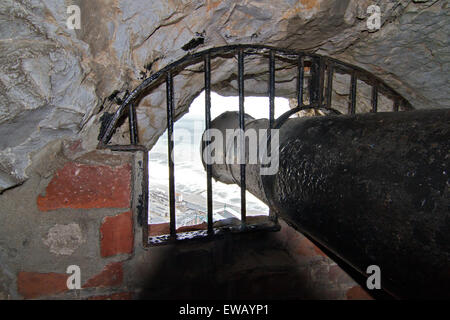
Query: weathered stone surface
<point>84,187</point>
<point>34,285</point>
<point>53,80</point>
<point>64,239</point>
<point>116,235</point>
<point>5,282</point>
<point>410,52</point>
<point>46,93</point>
<point>7,180</point>
<point>111,276</point>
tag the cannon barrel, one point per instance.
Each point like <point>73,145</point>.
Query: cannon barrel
<point>372,189</point>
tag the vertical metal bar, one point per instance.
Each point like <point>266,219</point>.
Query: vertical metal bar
<point>145,199</point>
<point>321,80</point>
<point>396,105</point>
<point>375,99</point>
<point>242,137</point>
<point>170,109</point>
<point>271,89</point>
<point>352,106</point>
<point>134,139</point>
<point>272,214</point>
<point>208,137</point>
<point>314,82</point>
<point>330,74</point>
<point>300,80</point>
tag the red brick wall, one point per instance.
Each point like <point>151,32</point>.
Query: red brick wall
<point>96,193</point>
<point>81,188</point>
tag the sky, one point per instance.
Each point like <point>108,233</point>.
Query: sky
<point>257,107</point>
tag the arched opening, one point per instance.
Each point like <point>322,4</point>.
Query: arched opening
<point>191,180</point>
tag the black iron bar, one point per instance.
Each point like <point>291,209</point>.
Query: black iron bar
<point>314,82</point>
<point>330,74</point>
<point>396,105</point>
<point>271,88</point>
<point>321,80</point>
<point>300,79</point>
<point>208,137</point>
<point>145,197</point>
<point>134,139</point>
<point>374,99</point>
<point>272,214</point>
<point>170,112</point>
<point>242,135</point>
<point>352,106</point>
<point>124,148</point>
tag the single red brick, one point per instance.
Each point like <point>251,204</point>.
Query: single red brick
<point>81,186</point>
<point>358,293</point>
<point>116,235</point>
<point>33,285</point>
<point>111,276</point>
<point>114,296</point>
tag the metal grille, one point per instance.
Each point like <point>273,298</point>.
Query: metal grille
<point>319,98</point>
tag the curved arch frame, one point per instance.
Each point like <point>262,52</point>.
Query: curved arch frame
<point>191,58</point>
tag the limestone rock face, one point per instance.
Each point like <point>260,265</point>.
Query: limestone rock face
<point>44,91</point>
<point>54,81</point>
